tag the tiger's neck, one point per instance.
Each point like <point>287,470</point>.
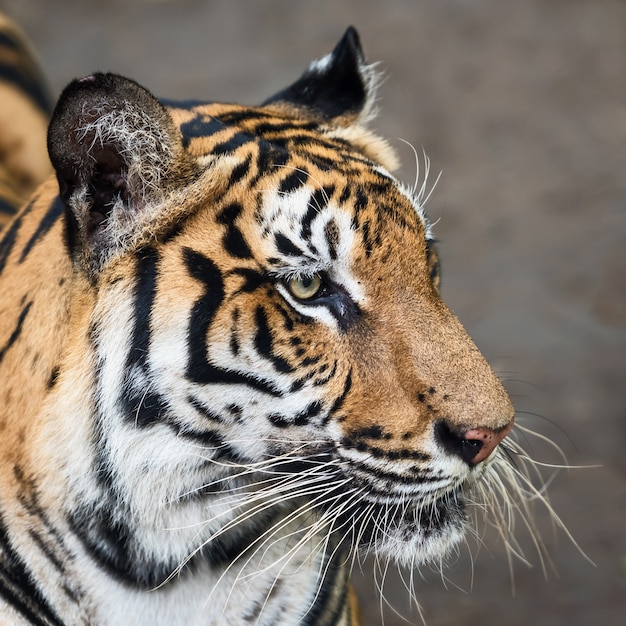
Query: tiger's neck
<point>122,514</point>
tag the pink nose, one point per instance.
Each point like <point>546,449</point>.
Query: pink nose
<point>484,441</point>
<point>473,445</point>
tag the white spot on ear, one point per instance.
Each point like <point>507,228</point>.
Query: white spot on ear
<point>321,65</point>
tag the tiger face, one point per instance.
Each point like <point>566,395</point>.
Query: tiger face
<point>255,345</point>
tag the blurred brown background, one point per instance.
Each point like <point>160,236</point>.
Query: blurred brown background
<point>522,105</point>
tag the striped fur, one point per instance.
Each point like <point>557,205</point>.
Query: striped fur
<point>26,107</point>
<point>225,365</point>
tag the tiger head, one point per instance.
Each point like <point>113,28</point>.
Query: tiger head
<point>254,300</point>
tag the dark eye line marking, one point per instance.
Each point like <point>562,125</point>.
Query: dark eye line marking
<point>335,298</point>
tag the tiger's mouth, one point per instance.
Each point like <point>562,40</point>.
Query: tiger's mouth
<point>410,520</point>
<point>412,523</point>
<point>410,529</point>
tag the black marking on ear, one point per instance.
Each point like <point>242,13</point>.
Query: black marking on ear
<point>333,86</point>
<point>53,213</point>
<point>199,369</point>
<point>17,331</point>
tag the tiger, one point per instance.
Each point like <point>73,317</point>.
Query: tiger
<point>226,369</point>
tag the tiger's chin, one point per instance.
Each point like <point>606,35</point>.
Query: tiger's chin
<point>412,534</point>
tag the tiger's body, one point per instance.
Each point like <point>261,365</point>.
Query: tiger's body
<point>225,366</point>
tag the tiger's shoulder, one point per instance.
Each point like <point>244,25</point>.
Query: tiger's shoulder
<point>24,114</point>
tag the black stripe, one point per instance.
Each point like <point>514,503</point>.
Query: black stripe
<point>380,453</point>
<point>6,207</point>
<point>300,419</point>
<point>54,549</point>
<point>208,438</point>
<point>142,407</point>
<point>204,410</point>
<point>312,211</point>
<point>200,126</point>
<point>286,246</point>
<point>234,340</point>
<point>18,589</point>
<point>16,331</point>
<point>230,145</point>
<point>32,82</point>
<point>199,369</point>
<point>324,164</point>
<point>253,279</point>
<point>268,128</point>
<point>331,232</point>
<point>332,595</point>
<point>233,239</point>
<point>8,241</point>
<point>239,172</point>
<point>293,181</point>
<point>345,195</point>
<point>244,115</point>
<point>53,213</point>
<point>269,157</point>
<point>145,293</point>
<point>338,403</point>
<point>264,344</point>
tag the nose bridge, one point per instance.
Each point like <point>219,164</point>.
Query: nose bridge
<point>443,373</point>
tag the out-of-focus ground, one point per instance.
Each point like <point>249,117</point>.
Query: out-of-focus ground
<point>522,105</point>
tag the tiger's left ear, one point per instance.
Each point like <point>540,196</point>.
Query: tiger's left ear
<point>117,156</point>
<point>338,88</point>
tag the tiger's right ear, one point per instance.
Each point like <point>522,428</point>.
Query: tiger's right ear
<point>117,154</point>
<point>339,88</point>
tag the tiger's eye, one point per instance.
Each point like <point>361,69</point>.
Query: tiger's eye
<point>304,287</point>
